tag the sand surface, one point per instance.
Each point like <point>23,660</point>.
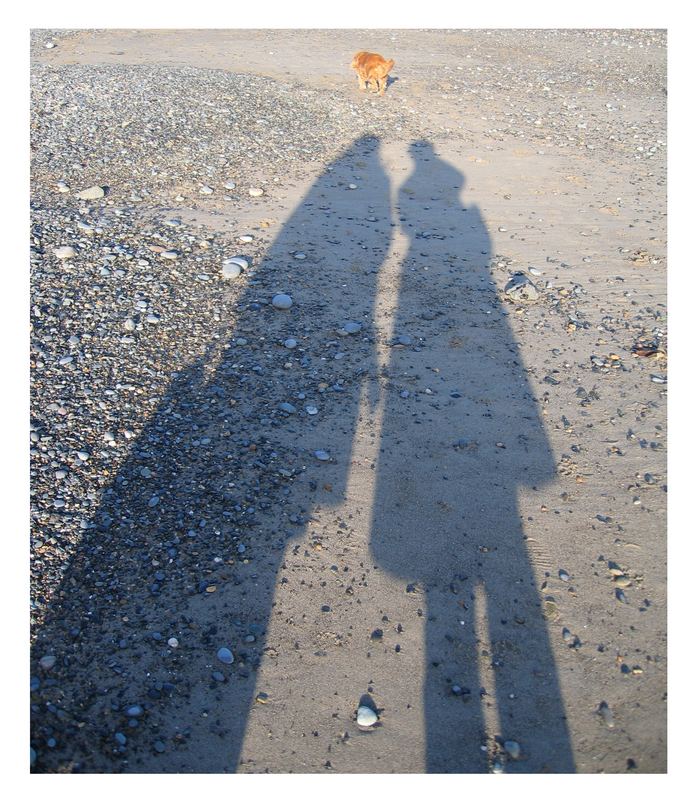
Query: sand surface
<point>485,472</point>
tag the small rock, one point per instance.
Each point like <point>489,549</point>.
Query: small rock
<point>290,343</point>
<point>93,193</point>
<point>65,252</point>
<point>520,287</point>
<point>513,749</point>
<point>606,714</point>
<point>47,662</point>
<point>322,455</point>
<point>225,655</point>
<point>282,301</point>
<point>255,192</point>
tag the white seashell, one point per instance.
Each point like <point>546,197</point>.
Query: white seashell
<point>366,717</point>
<point>241,262</point>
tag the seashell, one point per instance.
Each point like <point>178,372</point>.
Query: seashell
<point>366,717</point>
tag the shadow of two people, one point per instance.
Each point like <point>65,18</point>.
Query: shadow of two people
<point>444,517</point>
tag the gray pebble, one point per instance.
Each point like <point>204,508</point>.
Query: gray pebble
<point>282,301</point>
<point>225,655</point>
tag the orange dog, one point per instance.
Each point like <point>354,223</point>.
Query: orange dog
<point>371,67</point>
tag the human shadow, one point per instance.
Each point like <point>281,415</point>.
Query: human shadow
<point>461,434</point>
<point>183,555</point>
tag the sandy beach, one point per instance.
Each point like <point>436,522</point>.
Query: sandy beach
<point>347,401</point>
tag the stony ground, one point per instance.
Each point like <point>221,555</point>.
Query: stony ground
<point>452,511</point>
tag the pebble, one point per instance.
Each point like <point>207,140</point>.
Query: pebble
<point>206,190</point>
<point>290,343</point>
<point>519,287</point>
<point>282,301</point>
<point>246,238</point>
<point>513,749</point>
<point>322,455</point>
<point>563,575</point>
<point>606,714</point>
<point>300,256</point>
<point>93,193</point>
<point>65,252</point>
<point>352,327</point>
<point>225,655</point>
<point>62,187</point>
<point>534,271</point>
<point>231,269</point>
<point>170,255</point>
<point>311,410</point>
<point>129,324</point>
<point>32,756</point>
<point>255,192</point>
<point>366,717</point>
<point>173,642</point>
<point>134,711</point>
<point>47,662</point>
<point>120,738</point>
<point>229,185</point>
<point>159,746</point>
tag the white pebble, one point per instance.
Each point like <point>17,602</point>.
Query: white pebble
<point>64,252</point>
